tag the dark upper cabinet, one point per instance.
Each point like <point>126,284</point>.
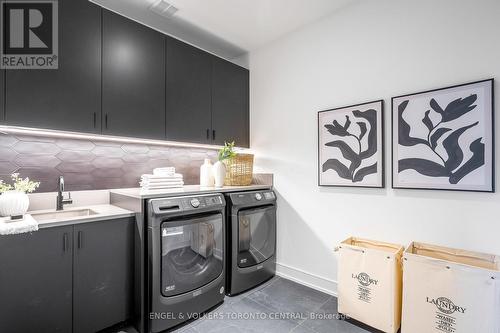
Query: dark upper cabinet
<point>103,274</point>
<point>230,103</point>
<point>36,281</point>
<point>207,97</point>
<point>68,98</point>
<point>133,79</point>
<point>188,93</point>
<point>118,77</point>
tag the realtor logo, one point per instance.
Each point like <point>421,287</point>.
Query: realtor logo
<point>29,34</point>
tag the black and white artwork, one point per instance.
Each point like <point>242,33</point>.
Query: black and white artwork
<point>350,146</point>
<point>443,139</point>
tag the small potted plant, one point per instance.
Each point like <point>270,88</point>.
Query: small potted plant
<point>14,200</point>
<point>219,167</point>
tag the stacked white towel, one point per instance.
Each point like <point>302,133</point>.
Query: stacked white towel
<point>162,178</point>
<point>168,171</point>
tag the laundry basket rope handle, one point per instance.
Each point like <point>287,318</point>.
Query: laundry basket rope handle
<point>453,253</point>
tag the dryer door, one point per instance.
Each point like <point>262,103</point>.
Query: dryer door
<point>192,253</point>
<point>256,235</point>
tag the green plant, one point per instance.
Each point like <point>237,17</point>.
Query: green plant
<point>4,187</point>
<point>19,184</point>
<point>227,152</point>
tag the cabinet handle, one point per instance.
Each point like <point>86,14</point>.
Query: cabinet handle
<point>213,134</point>
<point>65,242</point>
<point>106,121</point>
<point>95,120</point>
<point>80,240</point>
<point>208,134</point>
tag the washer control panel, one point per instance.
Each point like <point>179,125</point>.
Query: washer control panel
<point>175,205</point>
<point>201,202</point>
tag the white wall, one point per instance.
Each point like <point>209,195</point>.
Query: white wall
<point>367,51</point>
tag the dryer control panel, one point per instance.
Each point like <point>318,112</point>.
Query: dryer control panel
<point>254,197</point>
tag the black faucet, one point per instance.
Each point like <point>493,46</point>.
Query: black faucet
<point>60,197</point>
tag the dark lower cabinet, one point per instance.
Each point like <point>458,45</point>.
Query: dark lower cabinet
<point>68,98</point>
<point>133,79</point>
<point>230,103</point>
<point>103,274</point>
<point>188,93</point>
<point>67,279</point>
<point>36,281</point>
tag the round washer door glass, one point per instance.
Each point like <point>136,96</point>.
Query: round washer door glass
<point>256,235</point>
<point>192,253</point>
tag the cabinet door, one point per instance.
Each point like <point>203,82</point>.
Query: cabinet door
<point>68,98</point>
<point>36,281</point>
<point>188,93</point>
<point>230,105</point>
<point>103,274</point>
<point>133,95</point>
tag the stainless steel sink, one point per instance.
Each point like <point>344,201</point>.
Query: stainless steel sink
<point>63,214</point>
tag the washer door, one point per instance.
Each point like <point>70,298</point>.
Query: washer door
<point>256,235</point>
<point>192,253</point>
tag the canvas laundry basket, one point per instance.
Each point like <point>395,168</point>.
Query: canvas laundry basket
<point>450,290</point>
<point>369,282</point>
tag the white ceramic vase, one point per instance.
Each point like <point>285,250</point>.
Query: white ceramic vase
<point>14,203</point>
<point>206,174</point>
<point>219,170</point>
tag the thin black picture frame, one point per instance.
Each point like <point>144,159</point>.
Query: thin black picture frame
<point>493,174</point>
<point>382,146</point>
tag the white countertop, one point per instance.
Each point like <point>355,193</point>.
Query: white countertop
<point>103,212</point>
<point>138,193</point>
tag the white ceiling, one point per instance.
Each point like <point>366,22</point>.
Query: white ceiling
<point>228,28</point>
<point>251,24</point>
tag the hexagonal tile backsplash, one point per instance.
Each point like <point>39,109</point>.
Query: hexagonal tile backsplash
<point>92,165</point>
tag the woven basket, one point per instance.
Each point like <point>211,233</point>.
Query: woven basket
<point>239,170</point>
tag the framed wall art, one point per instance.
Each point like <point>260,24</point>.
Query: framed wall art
<point>350,146</point>
<point>444,139</point>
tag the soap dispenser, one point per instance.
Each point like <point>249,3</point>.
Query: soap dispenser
<point>206,174</point>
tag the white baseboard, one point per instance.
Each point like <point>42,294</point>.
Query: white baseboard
<point>308,279</point>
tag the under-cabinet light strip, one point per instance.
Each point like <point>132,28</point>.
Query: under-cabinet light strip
<point>96,137</point>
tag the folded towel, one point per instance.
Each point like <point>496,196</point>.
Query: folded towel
<point>174,175</point>
<point>162,180</point>
<point>160,177</point>
<point>174,182</point>
<point>164,171</point>
<point>27,224</point>
<point>164,187</point>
